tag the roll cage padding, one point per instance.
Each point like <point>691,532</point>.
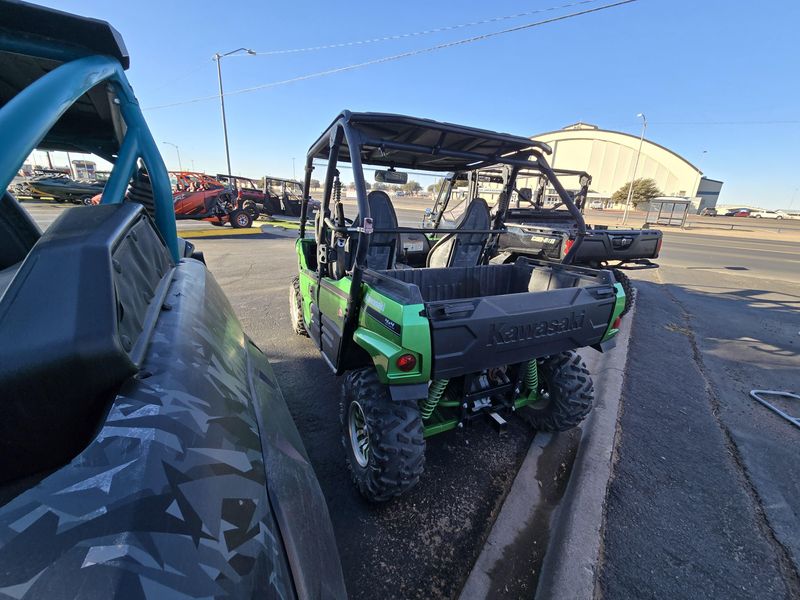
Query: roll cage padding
<point>463,249</point>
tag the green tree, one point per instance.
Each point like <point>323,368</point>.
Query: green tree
<point>380,186</point>
<point>644,190</point>
<point>434,187</point>
<point>412,187</point>
<point>315,184</point>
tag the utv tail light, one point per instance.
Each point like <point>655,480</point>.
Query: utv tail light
<point>616,323</point>
<point>658,247</point>
<point>406,362</point>
<point>568,246</point>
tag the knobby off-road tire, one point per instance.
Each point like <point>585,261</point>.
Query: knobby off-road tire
<point>296,308</point>
<point>394,457</point>
<point>627,286</point>
<point>566,380</point>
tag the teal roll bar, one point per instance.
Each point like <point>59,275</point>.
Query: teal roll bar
<point>26,119</point>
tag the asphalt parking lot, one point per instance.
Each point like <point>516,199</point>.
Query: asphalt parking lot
<point>704,497</point>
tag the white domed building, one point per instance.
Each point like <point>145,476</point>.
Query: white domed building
<point>609,157</point>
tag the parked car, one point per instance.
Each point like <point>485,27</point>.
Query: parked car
<point>766,214</point>
<point>596,205</point>
<point>708,211</point>
<point>737,212</point>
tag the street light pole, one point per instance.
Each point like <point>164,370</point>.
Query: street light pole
<point>178,150</point>
<point>218,57</point>
<point>294,174</point>
<point>635,167</point>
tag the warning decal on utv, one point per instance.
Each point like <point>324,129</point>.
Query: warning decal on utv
<point>385,321</point>
<point>500,333</point>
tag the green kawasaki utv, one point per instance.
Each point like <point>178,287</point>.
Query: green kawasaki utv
<point>429,334</point>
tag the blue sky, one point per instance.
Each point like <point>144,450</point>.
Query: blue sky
<point>712,77</point>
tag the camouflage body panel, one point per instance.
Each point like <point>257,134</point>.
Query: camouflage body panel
<point>196,485</point>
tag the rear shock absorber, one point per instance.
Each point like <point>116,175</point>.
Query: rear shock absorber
<point>337,190</point>
<point>531,377</point>
<point>435,392</point>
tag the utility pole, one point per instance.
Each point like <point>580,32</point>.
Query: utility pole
<point>218,57</point>
<point>635,167</point>
<point>178,150</point>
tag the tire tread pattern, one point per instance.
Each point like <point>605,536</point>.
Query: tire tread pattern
<point>571,393</point>
<point>298,324</point>
<point>397,444</point>
<point>627,286</point>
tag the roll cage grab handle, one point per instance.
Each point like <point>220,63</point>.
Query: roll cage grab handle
<point>27,118</point>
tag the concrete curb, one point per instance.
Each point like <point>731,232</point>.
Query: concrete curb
<point>570,563</point>
<point>568,570</point>
<point>519,507</point>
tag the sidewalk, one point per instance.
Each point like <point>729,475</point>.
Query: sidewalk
<point>705,495</point>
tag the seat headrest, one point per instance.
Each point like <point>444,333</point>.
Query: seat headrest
<point>381,210</point>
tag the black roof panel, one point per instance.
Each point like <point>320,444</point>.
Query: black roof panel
<point>415,143</point>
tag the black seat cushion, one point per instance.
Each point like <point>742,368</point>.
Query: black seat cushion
<point>383,247</point>
<point>463,249</point>
<point>73,324</point>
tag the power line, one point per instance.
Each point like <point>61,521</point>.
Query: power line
<point>400,36</point>
<point>394,57</point>
<point>171,82</point>
<point>768,122</point>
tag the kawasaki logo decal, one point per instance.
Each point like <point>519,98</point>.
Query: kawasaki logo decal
<point>500,333</point>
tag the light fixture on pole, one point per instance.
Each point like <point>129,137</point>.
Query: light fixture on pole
<point>635,167</point>
<point>218,57</point>
<point>178,150</point>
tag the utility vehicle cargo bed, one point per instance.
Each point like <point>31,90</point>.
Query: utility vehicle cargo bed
<point>600,244</point>
<point>494,315</point>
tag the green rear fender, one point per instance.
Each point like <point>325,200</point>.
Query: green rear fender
<point>387,330</point>
<point>619,306</point>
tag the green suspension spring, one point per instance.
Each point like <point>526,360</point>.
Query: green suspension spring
<point>435,392</point>
<point>532,377</point>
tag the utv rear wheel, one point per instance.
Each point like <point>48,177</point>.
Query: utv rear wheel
<point>382,437</point>
<point>627,287</point>
<point>86,201</point>
<point>566,390</point>
<point>296,308</point>
<point>241,219</point>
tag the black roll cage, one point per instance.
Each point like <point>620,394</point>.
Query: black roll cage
<point>495,175</point>
<point>520,154</point>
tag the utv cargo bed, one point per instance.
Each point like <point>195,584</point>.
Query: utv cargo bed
<point>494,315</point>
<point>600,244</point>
